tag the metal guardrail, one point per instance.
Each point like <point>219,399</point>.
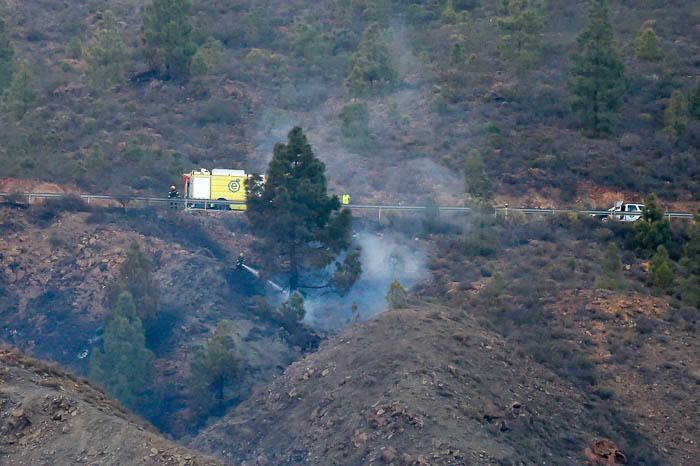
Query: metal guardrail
<point>201,204</point>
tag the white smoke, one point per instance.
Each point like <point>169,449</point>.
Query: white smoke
<point>385,257</point>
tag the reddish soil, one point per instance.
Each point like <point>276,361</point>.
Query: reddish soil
<point>410,387</point>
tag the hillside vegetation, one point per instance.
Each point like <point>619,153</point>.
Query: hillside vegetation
<point>98,93</point>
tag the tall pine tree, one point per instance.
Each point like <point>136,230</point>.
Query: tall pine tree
<point>299,227</point>
<point>136,277</point>
<point>694,102</point>
<point>105,54</point>
<point>690,264</point>
<point>372,71</point>
<point>648,44</point>
<point>599,82</point>
<point>476,180</point>
<point>7,53</point>
<point>676,115</point>
<point>611,276</point>
<point>122,365</point>
<point>653,229</point>
<point>396,295</point>
<point>22,93</point>
<point>167,36</point>
<point>214,368</point>
<point>661,269</point>
<point>521,30</point>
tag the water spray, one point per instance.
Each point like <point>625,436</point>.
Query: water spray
<point>256,274</point>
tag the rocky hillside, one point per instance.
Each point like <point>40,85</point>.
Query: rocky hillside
<point>50,417</point>
<point>414,387</point>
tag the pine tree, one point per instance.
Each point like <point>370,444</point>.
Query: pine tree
<point>167,36</point>
<point>378,11</point>
<point>259,21</point>
<point>356,83</point>
<point>598,74</point>
<point>521,31</point>
<point>96,160</point>
<point>694,102</point>
<point>348,271</point>
<point>691,250</point>
<point>354,126</point>
<point>122,365</point>
<point>105,54</point>
<point>372,71</point>
<point>214,368</point>
<point>293,310</point>
<point>661,269</point>
<point>458,55</point>
<point>74,49</point>
<point>22,94</point>
<point>477,181</point>
<point>7,53</point>
<point>136,277</point>
<point>690,264</point>
<point>208,57</point>
<point>300,228</point>
<point>652,230</point>
<point>493,292</point>
<point>648,44</point>
<point>611,277</point>
<point>449,15</point>
<point>305,40</point>
<point>396,295</point>
<point>676,116</point>
<point>124,306</point>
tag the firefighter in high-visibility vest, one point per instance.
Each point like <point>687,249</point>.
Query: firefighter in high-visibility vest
<point>345,199</point>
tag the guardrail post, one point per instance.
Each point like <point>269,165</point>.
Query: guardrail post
<point>380,214</point>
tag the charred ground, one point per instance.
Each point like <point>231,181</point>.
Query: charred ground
<point>58,262</point>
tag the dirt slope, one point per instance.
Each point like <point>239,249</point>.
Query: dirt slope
<point>48,417</point>
<point>411,387</point>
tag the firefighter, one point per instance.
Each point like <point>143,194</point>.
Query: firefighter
<point>345,199</point>
<point>240,261</point>
<point>173,194</point>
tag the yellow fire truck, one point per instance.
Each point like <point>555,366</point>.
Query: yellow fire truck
<point>217,185</point>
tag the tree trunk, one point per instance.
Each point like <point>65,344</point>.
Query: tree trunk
<point>220,394</point>
<point>293,268</point>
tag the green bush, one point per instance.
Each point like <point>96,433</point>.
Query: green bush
<point>661,269</point>
<point>611,277</point>
<point>648,44</point>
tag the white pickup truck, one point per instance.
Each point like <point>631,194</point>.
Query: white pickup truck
<point>624,212</point>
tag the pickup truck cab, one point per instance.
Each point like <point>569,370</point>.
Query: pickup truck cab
<point>626,212</point>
